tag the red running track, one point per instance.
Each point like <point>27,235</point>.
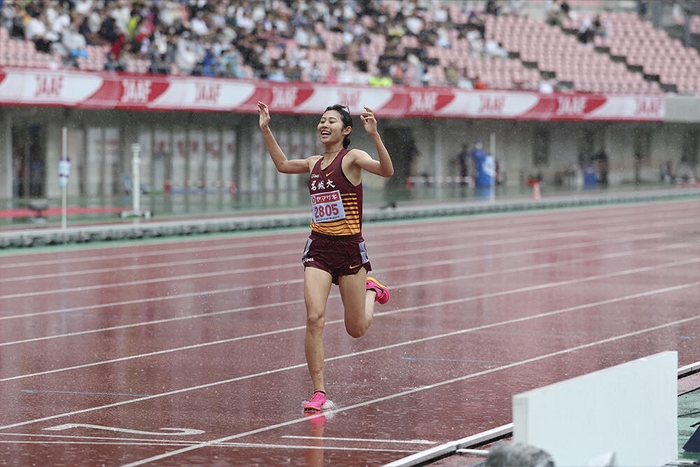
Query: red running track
<point>190,352</point>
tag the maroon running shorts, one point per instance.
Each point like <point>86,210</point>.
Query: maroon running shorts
<point>338,256</point>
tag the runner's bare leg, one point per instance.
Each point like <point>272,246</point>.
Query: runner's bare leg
<point>317,287</point>
<point>358,302</point>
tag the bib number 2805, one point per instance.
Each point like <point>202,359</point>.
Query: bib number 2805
<point>327,206</point>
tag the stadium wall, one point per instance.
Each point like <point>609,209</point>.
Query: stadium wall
<point>202,134</point>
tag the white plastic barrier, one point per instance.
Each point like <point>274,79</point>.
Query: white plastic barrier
<point>629,410</point>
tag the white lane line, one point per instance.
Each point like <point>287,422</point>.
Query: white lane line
<point>453,260</point>
<point>363,440</point>
<point>411,391</point>
<point>302,327</point>
<point>170,441</point>
<point>416,237</point>
<point>296,264</point>
<point>379,349</point>
<point>167,248</point>
<point>399,286</point>
<point>163,432</point>
<point>232,445</point>
<point>168,320</point>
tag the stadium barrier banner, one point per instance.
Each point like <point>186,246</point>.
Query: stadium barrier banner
<point>123,91</point>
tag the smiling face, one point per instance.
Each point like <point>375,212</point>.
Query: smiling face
<point>331,129</point>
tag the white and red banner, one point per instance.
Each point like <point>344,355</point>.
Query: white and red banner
<point>172,93</point>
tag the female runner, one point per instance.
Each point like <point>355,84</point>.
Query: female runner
<point>335,252</point>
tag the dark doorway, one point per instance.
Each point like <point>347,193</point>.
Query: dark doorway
<point>401,145</point>
<point>29,154</point>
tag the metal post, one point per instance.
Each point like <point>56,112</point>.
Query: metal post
<point>493,176</point>
<point>136,185</point>
<point>63,173</point>
<point>136,177</point>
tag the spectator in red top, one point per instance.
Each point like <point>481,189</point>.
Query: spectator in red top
<point>479,83</point>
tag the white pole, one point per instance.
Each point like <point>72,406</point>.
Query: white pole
<point>493,176</point>
<point>64,187</point>
<point>136,177</point>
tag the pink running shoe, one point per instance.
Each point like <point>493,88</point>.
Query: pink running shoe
<point>382,292</point>
<point>316,402</point>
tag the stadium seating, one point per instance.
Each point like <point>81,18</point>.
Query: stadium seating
<point>561,55</point>
<point>632,56</point>
<point>656,56</point>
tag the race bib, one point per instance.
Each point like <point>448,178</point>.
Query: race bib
<point>327,206</point>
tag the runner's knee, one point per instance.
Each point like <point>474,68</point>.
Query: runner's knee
<point>315,321</point>
<point>356,330</point>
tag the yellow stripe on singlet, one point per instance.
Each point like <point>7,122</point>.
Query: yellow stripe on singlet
<point>350,225</point>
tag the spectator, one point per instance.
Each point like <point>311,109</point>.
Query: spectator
<point>440,14</point>
<point>58,21</point>
<point>121,14</point>
<point>546,87</point>
<point>603,160</point>
<point>585,31</point>
<point>678,15</point>
<point>154,29</point>
<point>637,168</point>
<point>117,47</point>
<point>15,19</point>
<point>414,71</point>
<point>199,26</point>
<point>304,36</point>
<point>230,64</point>
<point>464,81</point>
<point>493,8</point>
<point>316,74</point>
<point>75,43</point>
<point>209,65</point>
<point>35,31</point>
<point>157,51</point>
<point>114,63</point>
<point>443,38</point>
<point>599,27</point>
<point>494,49</point>
<point>478,83</point>
<point>451,74</point>
<point>566,10</point>
<point>108,30</point>
<point>83,7</point>
<point>396,71</point>
<point>463,161</point>
<point>277,75</point>
<point>554,13</point>
<point>666,172</point>
<point>476,23</point>
<point>186,55</point>
<point>141,38</point>
<point>642,7</point>
<point>90,34</point>
<point>332,75</point>
<point>427,78</point>
<point>382,80</point>
<point>414,25</point>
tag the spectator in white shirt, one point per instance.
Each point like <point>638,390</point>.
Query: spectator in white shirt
<point>74,42</point>
<point>35,31</point>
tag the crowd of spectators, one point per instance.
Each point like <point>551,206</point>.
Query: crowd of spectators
<point>233,38</point>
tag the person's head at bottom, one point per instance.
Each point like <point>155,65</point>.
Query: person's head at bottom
<point>509,454</point>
